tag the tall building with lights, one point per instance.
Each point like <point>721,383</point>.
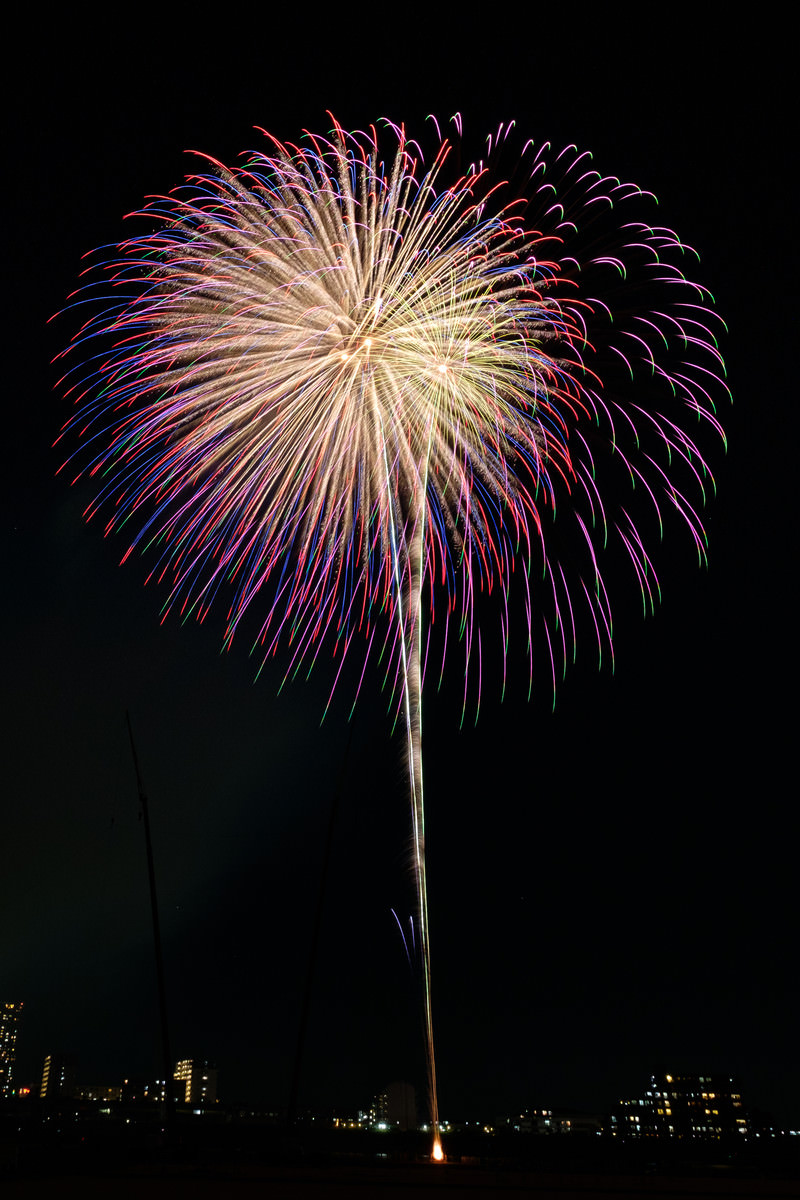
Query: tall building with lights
<point>10,1017</point>
<point>708,1107</point>
<point>58,1076</point>
<point>198,1081</point>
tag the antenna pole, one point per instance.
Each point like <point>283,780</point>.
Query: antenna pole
<point>167,1106</point>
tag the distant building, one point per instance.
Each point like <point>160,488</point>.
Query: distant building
<point>197,1079</point>
<point>58,1076</point>
<point>10,1017</point>
<point>707,1107</point>
<point>555,1120</point>
<point>394,1108</point>
<point>99,1091</point>
<point>136,1089</point>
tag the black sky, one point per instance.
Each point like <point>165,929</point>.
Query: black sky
<point>613,885</point>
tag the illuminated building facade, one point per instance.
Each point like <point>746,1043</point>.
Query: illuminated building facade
<point>395,1108</point>
<point>58,1076</point>
<point>10,1016</point>
<point>197,1079</point>
<point>708,1107</point>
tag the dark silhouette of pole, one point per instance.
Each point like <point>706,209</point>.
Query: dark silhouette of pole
<point>167,1106</point>
<point>291,1115</point>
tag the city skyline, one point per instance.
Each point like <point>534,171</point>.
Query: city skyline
<point>672,1107</point>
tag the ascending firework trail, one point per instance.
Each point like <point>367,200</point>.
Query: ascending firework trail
<point>347,383</point>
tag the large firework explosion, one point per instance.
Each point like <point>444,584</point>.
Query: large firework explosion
<point>358,388</point>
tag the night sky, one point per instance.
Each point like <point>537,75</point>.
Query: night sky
<point>613,886</point>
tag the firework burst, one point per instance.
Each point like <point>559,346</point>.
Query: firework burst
<point>337,381</point>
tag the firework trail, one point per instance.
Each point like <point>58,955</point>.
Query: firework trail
<point>340,382</point>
